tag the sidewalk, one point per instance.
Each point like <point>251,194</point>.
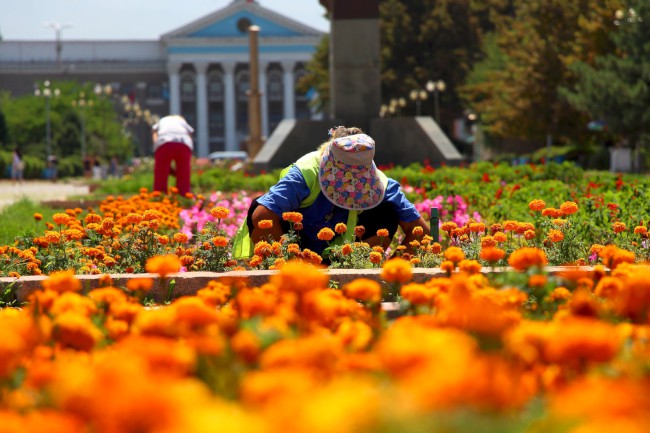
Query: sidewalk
<point>39,191</point>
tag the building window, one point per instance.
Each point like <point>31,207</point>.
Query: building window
<point>154,91</point>
<point>275,86</point>
<point>243,85</point>
<point>215,86</point>
<point>188,87</point>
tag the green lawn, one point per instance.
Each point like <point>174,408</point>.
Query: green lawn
<point>18,219</point>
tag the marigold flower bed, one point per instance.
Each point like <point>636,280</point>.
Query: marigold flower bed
<point>509,351</point>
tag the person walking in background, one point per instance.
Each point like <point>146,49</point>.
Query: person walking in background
<point>17,166</point>
<point>172,141</point>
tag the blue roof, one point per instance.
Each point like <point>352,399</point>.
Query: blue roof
<point>227,27</point>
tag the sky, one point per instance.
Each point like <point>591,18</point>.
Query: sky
<point>128,19</point>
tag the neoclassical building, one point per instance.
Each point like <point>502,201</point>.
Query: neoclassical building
<point>199,70</point>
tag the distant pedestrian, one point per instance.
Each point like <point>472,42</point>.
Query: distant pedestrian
<point>114,167</point>
<point>88,164</point>
<point>17,166</point>
<point>53,167</point>
<point>172,142</point>
<point>97,169</point>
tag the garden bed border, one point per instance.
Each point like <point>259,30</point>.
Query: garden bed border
<point>188,283</point>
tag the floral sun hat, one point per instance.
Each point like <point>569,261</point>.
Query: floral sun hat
<point>348,175</point>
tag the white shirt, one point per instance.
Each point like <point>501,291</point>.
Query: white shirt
<point>173,129</point>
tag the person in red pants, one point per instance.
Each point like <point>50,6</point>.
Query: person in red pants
<point>172,141</point>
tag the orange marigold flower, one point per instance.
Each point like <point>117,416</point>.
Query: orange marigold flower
<point>340,228</point>
<point>292,217</point>
<point>529,234</point>
<point>363,289</point>
<point>52,237</point>
<point>163,240</point>
<point>496,227</point>
<point>383,233</point>
<point>139,284</point>
<point>376,257</point>
<point>359,231</point>
<point>449,226</point>
<point>297,226</point>
<point>568,208</point>
<point>134,218</point>
<point>524,227</point>
<point>527,257</point>
<point>255,261</point>
<point>108,223</point>
<point>417,294</point>
<point>293,249</point>
<point>559,294</point>
<point>346,250</point>
<point>596,248</point>
<point>180,238</point>
<point>537,205</point>
<point>488,241</point>
<point>476,227</point>
<point>299,277</point>
<point>500,237</point>
<point>93,218</point>
<point>62,281</point>
<point>163,265</point>
<point>510,226</point>
<point>265,224</point>
<point>220,241</point>
<point>378,248</point>
<point>436,248</point>
<point>492,254</point>
<point>219,212</point>
<point>186,260</point>
<point>641,230</point>
<point>38,216</point>
<point>325,234</point>
<point>555,235</point>
<point>61,218</point>
<point>418,231</point>
<point>396,270</point>
<point>559,222</point>
<point>469,266</point>
<point>454,254</point>
<point>448,266</point>
<point>619,227</point>
<point>263,249</point>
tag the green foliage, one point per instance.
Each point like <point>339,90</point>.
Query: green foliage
<point>615,88</point>
<point>26,119</point>
<point>515,88</point>
<point>317,76</point>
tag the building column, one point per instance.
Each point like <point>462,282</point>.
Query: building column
<point>289,91</point>
<point>230,108</point>
<point>202,135</point>
<point>173,69</point>
<point>264,100</point>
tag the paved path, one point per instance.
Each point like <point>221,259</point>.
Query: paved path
<point>39,191</point>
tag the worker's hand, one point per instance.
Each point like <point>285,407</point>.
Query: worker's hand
<point>258,234</point>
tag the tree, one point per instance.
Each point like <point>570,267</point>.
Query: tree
<point>615,87</point>
<point>420,41</point>
<point>317,76</point>
<point>515,89</point>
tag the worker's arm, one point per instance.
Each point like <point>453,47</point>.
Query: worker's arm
<point>408,227</point>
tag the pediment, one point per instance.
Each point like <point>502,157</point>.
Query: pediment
<point>233,20</point>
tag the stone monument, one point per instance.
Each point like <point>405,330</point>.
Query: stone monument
<point>355,91</point>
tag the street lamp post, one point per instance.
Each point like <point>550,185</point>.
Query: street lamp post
<point>436,87</point>
<point>82,103</point>
<point>47,92</point>
<point>418,96</point>
<point>58,28</point>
